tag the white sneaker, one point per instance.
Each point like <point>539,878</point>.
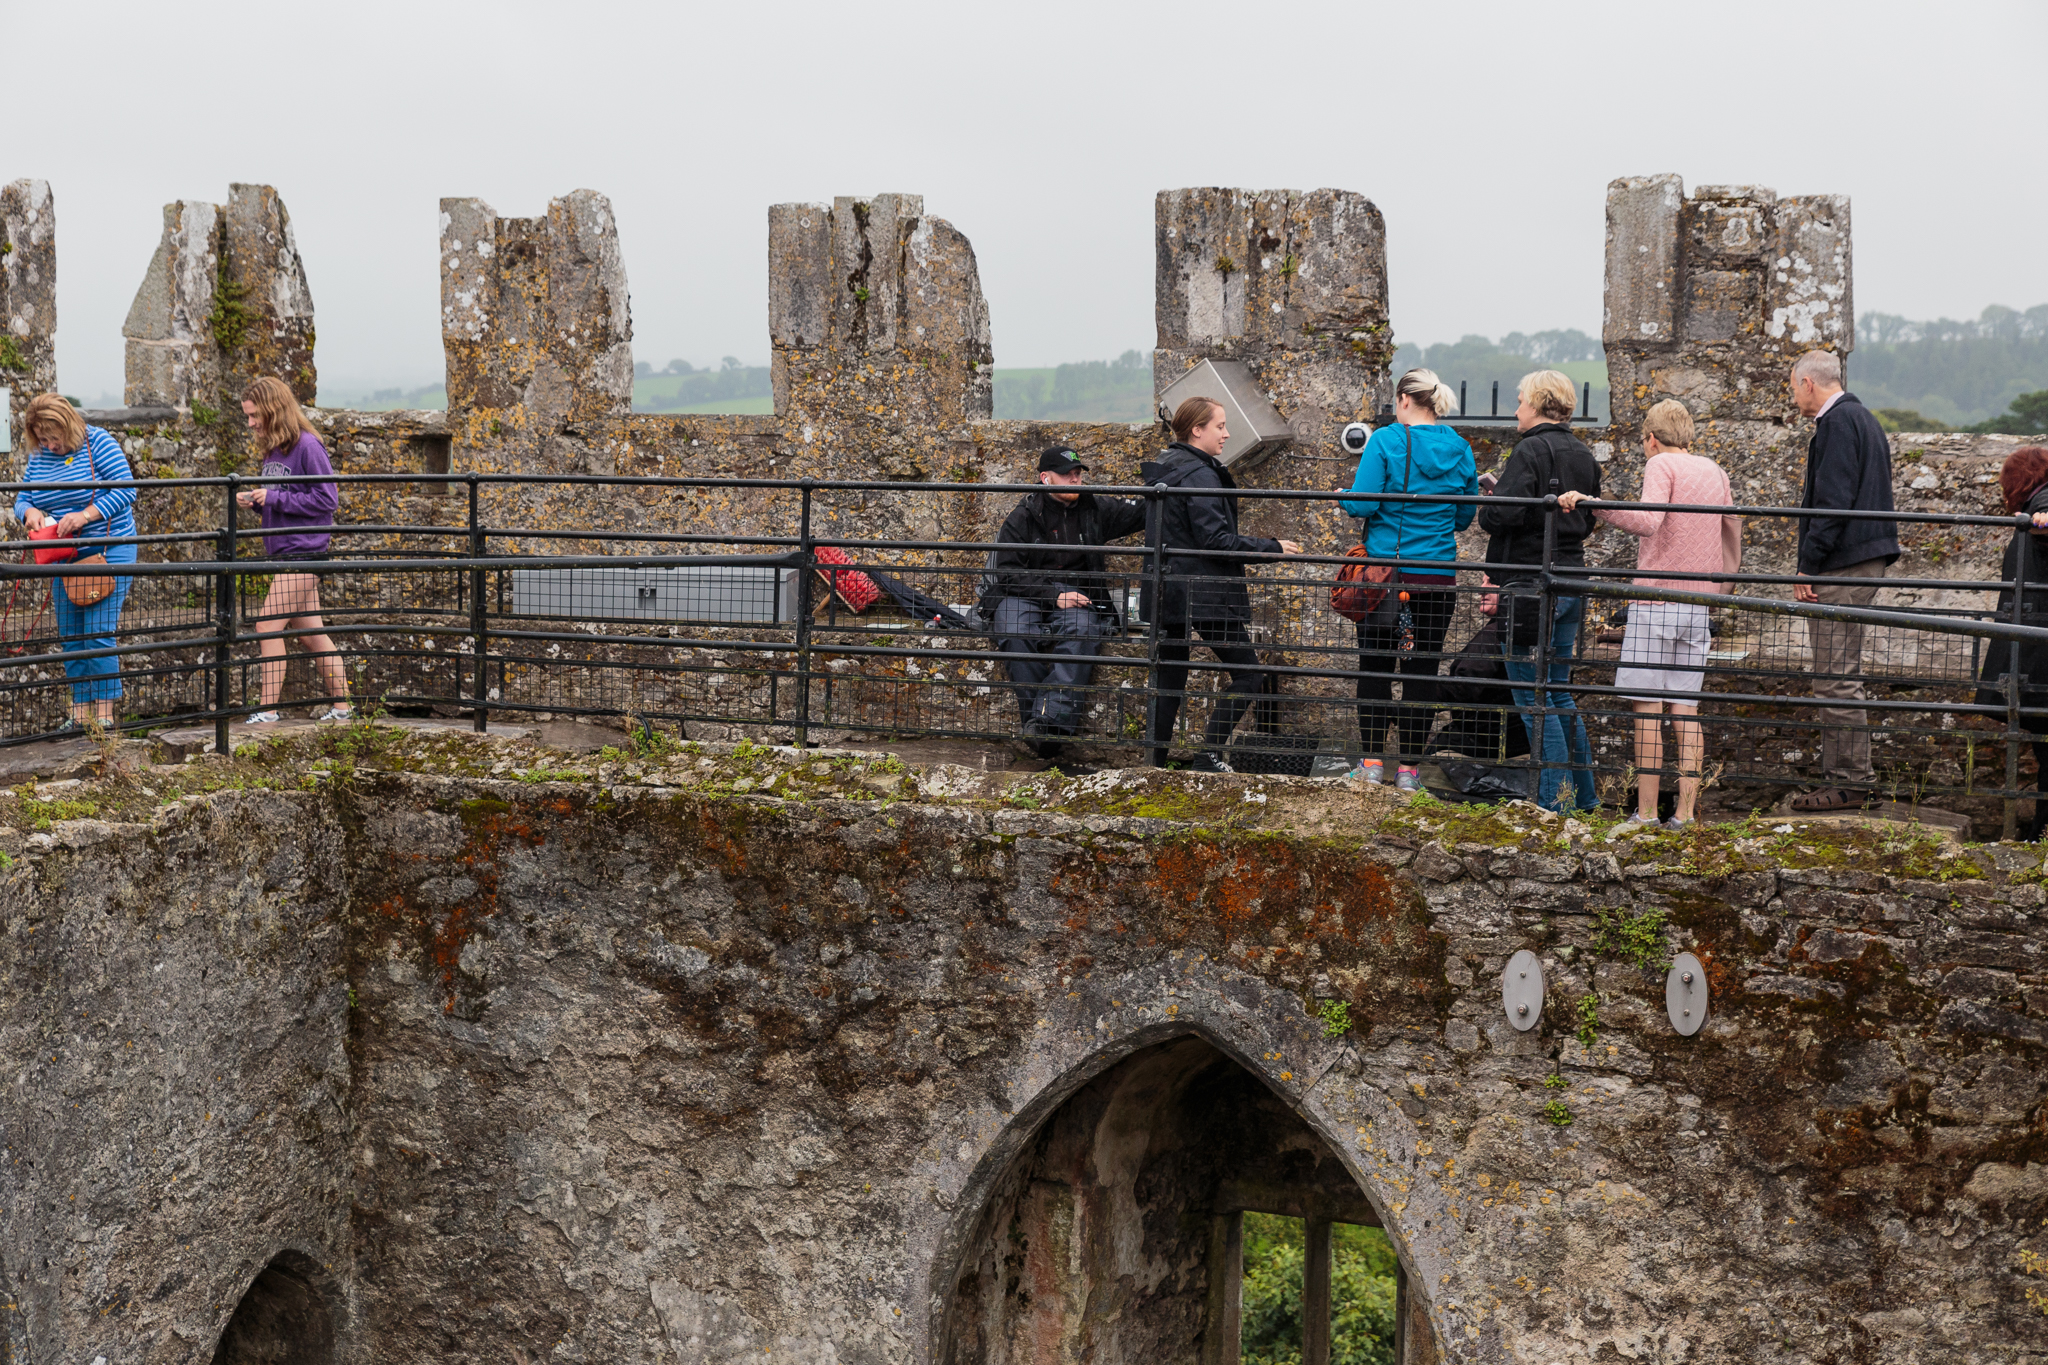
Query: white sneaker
<point>337,713</point>
<point>264,718</point>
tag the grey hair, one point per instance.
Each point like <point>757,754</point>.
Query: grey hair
<point>1822,367</point>
<point>1422,386</point>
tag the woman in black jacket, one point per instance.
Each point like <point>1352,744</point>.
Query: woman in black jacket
<point>1203,594</point>
<point>2024,481</point>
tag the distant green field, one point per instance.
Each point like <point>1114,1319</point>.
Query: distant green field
<point>762,405</point>
<point>433,398</point>
<point>1117,390</point>
<point>738,388</point>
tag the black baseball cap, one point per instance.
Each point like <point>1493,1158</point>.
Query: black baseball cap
<point>1060,460</point>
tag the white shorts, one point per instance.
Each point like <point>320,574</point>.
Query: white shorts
<point>1664,650</point>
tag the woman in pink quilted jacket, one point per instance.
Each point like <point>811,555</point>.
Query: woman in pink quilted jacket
<point>1665,648</point>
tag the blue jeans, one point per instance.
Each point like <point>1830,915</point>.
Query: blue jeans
<point>1564,732</point>
<point>91,628</point>
<point>1050,653</point>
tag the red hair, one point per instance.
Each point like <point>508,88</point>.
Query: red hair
<point>2025,470</point>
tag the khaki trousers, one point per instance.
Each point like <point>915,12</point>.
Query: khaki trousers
<point>1838,674</point>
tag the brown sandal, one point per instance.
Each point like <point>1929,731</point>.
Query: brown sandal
<point>1828,799</point>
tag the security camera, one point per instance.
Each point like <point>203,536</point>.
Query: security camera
<point>1355,436</point>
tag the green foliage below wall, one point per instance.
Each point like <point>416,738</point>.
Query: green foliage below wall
<point>1361,1293</point>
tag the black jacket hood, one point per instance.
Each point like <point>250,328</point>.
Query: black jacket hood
<point>1176,462</point>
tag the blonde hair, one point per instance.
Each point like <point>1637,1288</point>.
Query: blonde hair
<point>279,422</point>
<point>1670,423</point>
<point>1551,393</point>
<point>1822,367</point>
<point>51,414</point>
<point>1422,386</point>
<point>1191,414</point>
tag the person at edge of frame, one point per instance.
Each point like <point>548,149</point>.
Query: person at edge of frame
<point>1048,600</point>
<point>70,466</point>
<point>292,512</point>
<point>1848,468</point>
<point>1202,593</point>
<point>1418,453</point>
<point>2023,480</point>
<point>1546,459</point>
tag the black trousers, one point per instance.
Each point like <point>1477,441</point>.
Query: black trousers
<point>1231,643</point>
<point>1379,651</point>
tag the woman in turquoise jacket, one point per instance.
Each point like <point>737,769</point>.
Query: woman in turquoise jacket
<point>1417,454</point>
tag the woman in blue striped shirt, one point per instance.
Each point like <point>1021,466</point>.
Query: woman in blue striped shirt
<point>75,462</point>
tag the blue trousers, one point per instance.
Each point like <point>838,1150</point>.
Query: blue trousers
<point>1564,731</point>
<point>1050,653</point>
<point>91,628</point>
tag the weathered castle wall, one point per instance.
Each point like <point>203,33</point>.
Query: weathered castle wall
<point>880,332</point>
<point>223,301</point>
<point>729,1054</point>
<point>535,326</point>
<point>1293,284</point>
<point>28,296</point>
<point>177,1113</point>
<point>1709,299</point>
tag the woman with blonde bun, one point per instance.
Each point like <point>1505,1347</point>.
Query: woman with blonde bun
<point>1417,454</point>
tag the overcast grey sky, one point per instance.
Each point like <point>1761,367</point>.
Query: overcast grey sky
<point>1486,133</point>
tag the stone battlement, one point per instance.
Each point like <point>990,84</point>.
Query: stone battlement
<point>883,349</point>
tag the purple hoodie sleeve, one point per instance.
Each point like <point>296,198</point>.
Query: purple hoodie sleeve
<point>306,503</point>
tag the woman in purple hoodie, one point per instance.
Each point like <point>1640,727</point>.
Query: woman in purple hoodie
<point>290,447</point>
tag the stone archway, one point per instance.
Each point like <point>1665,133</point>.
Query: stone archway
<point>1112,1235</point>
<point>283,1318</point>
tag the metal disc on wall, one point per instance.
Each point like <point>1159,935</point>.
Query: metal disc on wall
<point>1521,990</point>
<point>1685,994</point>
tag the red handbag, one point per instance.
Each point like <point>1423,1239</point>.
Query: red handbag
<point>52,554</point>
<point>83,591</point>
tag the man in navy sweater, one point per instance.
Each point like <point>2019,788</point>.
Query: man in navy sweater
<point>1848,468</point>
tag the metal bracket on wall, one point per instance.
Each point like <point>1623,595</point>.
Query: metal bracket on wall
<point>1685,994</point>
<point>1521,990</point>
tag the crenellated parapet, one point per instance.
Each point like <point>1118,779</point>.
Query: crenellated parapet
<point>536,329</point>
<point>880,332</point>
<point>28,296</point>
<point>223,301</point>
<point>1709,299</point>
<point>1293,284</point>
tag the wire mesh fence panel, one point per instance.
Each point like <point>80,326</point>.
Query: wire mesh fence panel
<point>131,650</point>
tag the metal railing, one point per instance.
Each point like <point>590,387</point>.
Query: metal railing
<point>506,595</point>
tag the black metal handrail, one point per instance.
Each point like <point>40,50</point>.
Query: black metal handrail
<point>471,623</point>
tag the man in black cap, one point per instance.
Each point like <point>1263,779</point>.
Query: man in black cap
<point>1047,594</point>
